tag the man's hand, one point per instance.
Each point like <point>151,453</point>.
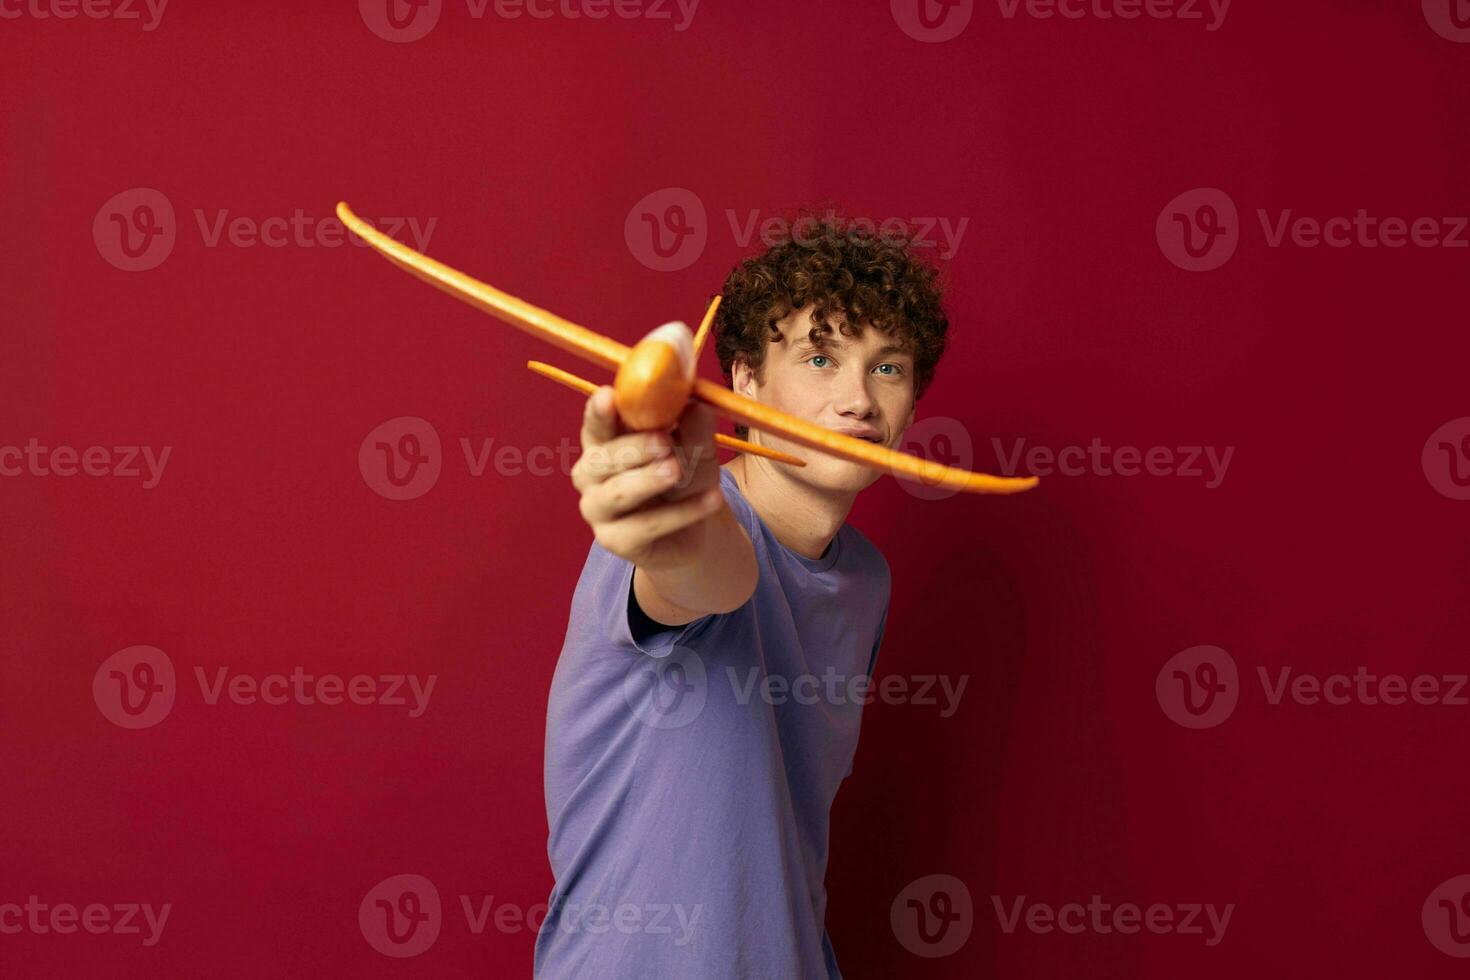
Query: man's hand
<point>647,494</point>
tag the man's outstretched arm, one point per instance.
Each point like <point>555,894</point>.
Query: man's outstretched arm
<point>654,499</point>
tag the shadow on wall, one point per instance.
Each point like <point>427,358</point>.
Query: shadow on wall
<point>996,785</point>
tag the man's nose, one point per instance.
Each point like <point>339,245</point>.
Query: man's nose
<point>855,397</point>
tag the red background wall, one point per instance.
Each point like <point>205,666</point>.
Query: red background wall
<point>263,548</point>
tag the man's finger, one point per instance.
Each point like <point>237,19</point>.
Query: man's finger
<point>661,521</point>
<point>697,423</point>
<point>627,491</point>
<point>694,447</point>
<point>599,417</point>
<point>619,454</point>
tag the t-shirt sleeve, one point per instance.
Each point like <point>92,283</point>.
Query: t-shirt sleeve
<point>645,634</point>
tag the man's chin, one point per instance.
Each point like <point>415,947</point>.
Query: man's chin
<point>835,475</point>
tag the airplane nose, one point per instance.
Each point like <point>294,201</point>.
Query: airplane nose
<point>676,334</point>
<point>653,383</point>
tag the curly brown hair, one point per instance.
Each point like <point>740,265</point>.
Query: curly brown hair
<point>851,272</point>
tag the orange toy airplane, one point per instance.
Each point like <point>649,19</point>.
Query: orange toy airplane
<point>656,378</point>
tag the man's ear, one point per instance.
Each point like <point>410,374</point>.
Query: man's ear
<point>742,378</point>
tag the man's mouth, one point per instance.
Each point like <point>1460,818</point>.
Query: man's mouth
<point>865,435</point>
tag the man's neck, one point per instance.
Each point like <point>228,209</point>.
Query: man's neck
<point>803,519</point>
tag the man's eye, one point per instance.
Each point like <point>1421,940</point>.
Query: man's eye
<point>897,370</point>
<point>815,358</point>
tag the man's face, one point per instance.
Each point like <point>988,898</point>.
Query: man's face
<point>863,385</point>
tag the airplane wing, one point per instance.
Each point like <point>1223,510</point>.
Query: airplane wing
<point>610,354</point>
<point>516,312</point>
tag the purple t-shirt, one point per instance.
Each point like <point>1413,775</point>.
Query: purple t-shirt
<point>690,771</point>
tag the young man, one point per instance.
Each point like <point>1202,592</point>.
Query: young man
<point>704,711</point>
